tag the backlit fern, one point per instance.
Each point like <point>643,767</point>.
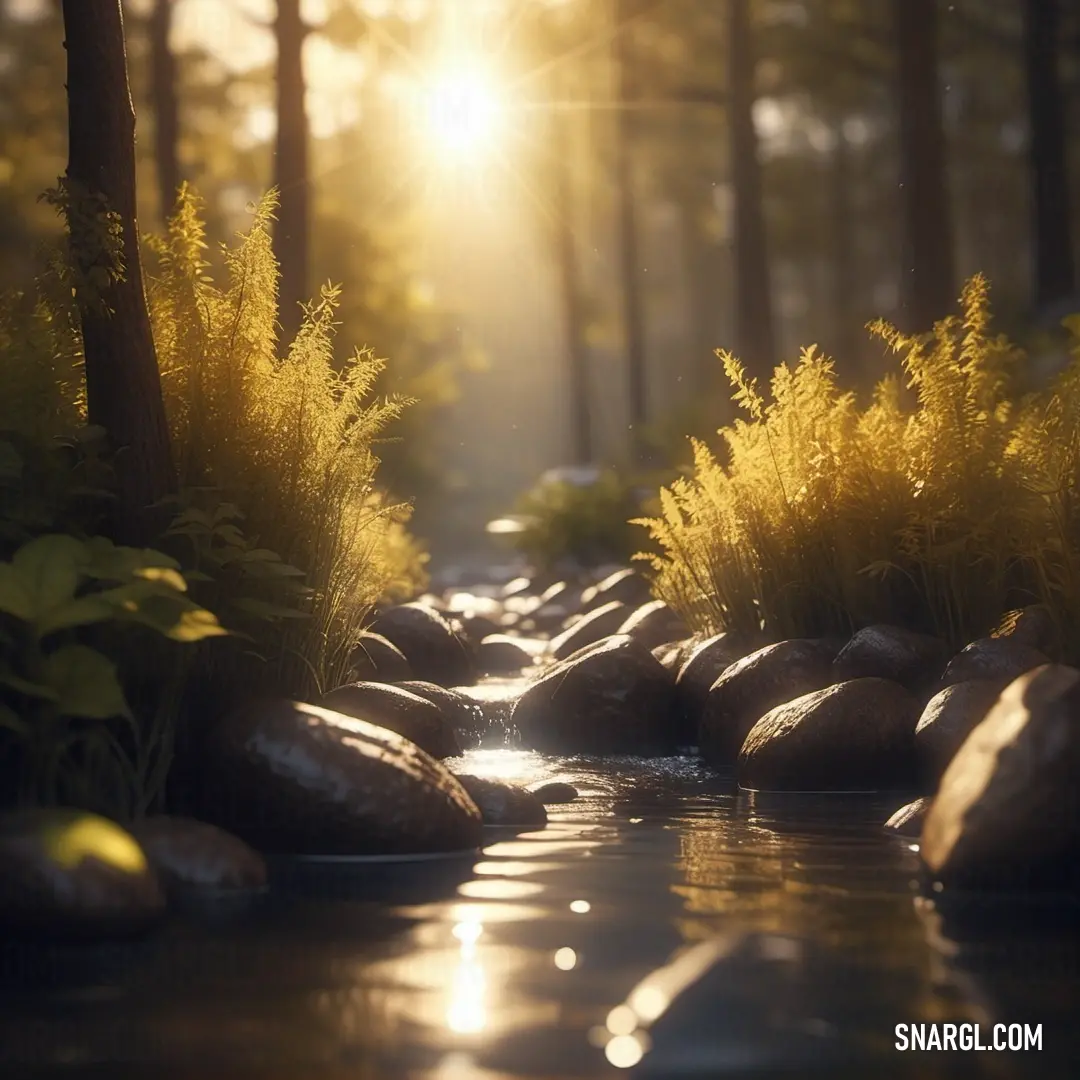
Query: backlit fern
<point>939,506</point>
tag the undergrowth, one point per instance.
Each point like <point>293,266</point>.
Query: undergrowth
<point>942,505</point>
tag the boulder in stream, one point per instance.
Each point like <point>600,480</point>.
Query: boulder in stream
<point>295,778</point>
<point>653,624</point>
<point>1007,813</point>
<point>592,627</point>
<point>68,875</point>
<point>858,735</point>
<point>375,659</point>
<point>464,715</point>
<point>434,651</point>
<point>949,717</point>
<point>998,660</point>
<point>503,803</point>
<point>908,820</point>
<point>916,661</point>
<point>613,697</point>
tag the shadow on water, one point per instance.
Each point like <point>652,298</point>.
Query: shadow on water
<point>663,925</point>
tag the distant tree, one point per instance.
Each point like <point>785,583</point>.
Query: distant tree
<point>928,283</point>
<point>166,105</point>
<point>123,385</point>
<point>754,341</point>
<point>291,153</point>
<point>627,11</point>
<point>1055,273</point>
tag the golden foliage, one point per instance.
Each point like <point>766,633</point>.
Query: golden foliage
<point>939,506</point>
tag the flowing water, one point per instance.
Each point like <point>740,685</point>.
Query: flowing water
<point>664,925</point>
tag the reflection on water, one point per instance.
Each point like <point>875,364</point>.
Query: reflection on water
<point>663,925</point>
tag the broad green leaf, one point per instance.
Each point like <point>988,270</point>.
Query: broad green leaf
<point>49,569</point>
<point>15,599</point>
<point>111,563</point>
<point>264,610</point>
<point>264,570</point>
<point>227,512</point>
<point>195,625</point>
<point>229,534</point>
<point>163,575</point>
<point>173,615</point>
<point>86,683</point>
<point>25,686</point>
<point>261,555</point>
<point>82,611</point>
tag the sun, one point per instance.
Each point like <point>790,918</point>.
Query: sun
<point>463,111</point>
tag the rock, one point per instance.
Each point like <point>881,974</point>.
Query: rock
<point>997,659</point>
<point>670,655</point>
<point>435,653</point>
<point>1032,626</point>
<point>908,820</point>
<point>502,803</point>
<point>612,697</point>
<point>188,854</point>
<point>627,586</point>
<point>474,628</point>
<point>398,710</point>
<point>502,655</point>
<point>295,778</point>
<point>516,587</point>
<point>1006,814</point>
<point>462,713</point>
<point>73,876</point>
<point>949,717</point>
<point>374,659</point>
<point>553,793</point>
<point>654,623</point>
<point>707,661</point>
<point>890,652</point>
<point>746,690</point>
<point>598,623</point>
<point>854,736</point>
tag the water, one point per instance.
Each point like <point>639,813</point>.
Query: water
<point>665,925</point>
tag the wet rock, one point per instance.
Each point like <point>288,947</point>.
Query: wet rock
<point>516,586</point>
<point>654,623</point>
<point>854,736</point>
<point>997,659</point>
<point>890,652</point>
<point>502,655</point>
<point>502,803</point>
<point>612,697</point>
<point>627,586</point>
<point>1032,626</point>
<point>949,717</point>
<point>435,653</point>
<point>375,659</point>
<point>72,876</point>
<point>598,623</point>
<point>707,661</point>
<point>670,654</point>
<point>190,855</point>
<point>908,820</point>
<point>474,628</point>
<point>554,793</point>
<point>295,778</point>
<point>746,690</point>
<point>462,713</point>
<point>395,709</point>
<point>1006,815</point>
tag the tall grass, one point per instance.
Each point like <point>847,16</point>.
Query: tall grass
<point>941,505</point>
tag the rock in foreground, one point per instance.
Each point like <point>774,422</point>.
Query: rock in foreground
<point>891,652</point>
<point>613,697</point>
<point>1007,814</point>
<point>949,717</point>
<point>502,803</point>
<point>855,736</point>
<point>555,792</point>
<point>295,778</point>
<point>72,876</point>
<point>908,820</point>
<point>191,855</point>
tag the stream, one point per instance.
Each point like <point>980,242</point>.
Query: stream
<point>665,924</point>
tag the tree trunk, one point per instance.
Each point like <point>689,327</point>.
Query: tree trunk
<point>705,262</point>
<point>292,232</point>
<point>1052,239</point>
<point>754,342</point>
<point>166,106</point>
<point>928,286</point>
<point>123,385</point>
<point>844,277</point>
<point>570,285</point>
<point>626,198</point>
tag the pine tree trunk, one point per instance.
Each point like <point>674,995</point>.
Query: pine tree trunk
<point>629,241</point>
<point>570,285</point>
<point>166,106</point>
<point>844,277</point>
<point>1054,268</point>
<point>754,342</point>
<point>123,385</point>
<point>292,232</point>
<point>928,286</point>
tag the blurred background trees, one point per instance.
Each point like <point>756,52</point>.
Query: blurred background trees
<point>665,177</point>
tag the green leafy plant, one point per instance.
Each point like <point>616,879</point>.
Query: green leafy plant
<point>942,505</point>
<point>62,698</point>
